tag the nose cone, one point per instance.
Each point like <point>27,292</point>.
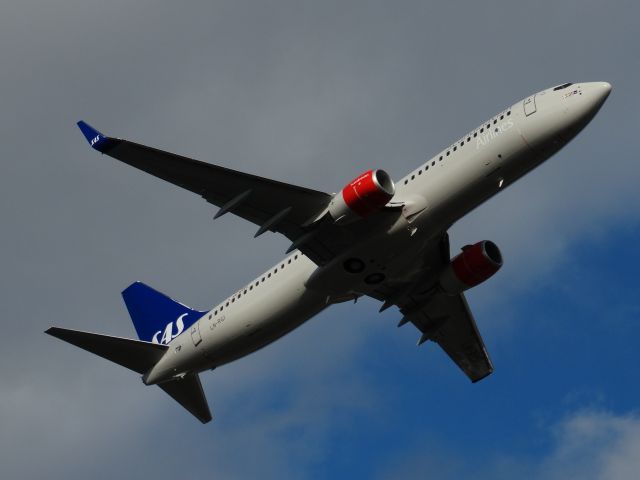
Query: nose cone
<point>598,91</point>
<point>595,95</point>
<point>583,106</point>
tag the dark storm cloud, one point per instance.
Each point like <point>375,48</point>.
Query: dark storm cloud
<point>306,92</point>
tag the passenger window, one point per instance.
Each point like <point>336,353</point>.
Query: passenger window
<point>475,134</point>
<point>455,148</point>
<point>508,113</point>
<point>440,157</point>
<point>501,117</point>
<point>433,163</point>
<point>447,153</point>
<point>461,144</point>
<point>420,172</point>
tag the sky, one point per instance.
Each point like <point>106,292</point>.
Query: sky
<point>313,93</point>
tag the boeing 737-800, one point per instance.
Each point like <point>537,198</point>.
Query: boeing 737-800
<point>375,237</point>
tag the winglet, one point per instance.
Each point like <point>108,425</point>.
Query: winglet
<point>97,140</point>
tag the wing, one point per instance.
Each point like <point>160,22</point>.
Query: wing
<point>274,206</point>
<point>441,318</point>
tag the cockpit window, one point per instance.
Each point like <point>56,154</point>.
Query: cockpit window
<point>560,87</point>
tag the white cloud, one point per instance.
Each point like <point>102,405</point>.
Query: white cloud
<point>595,445</point>
<point>587,444</point>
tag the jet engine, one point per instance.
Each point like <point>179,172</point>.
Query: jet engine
<point>473,266</point>
<point>363,196</point>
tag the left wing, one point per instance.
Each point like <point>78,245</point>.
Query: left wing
<point>442,318</point>
<point>272,205</point>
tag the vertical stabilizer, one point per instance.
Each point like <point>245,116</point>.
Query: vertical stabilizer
<point>156,317</point>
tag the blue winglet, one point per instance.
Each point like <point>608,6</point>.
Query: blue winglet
<point>96,139</point>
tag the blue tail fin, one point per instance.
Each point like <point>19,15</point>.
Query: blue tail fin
<point>156,317</point>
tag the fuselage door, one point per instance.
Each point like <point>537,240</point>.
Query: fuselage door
<point>195,334</point>
<point>529,105</point>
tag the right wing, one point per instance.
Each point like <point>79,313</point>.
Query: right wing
<point>272,205</point>
<point>448,321</point>
<point>442,318</point>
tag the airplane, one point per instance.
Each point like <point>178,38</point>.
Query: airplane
<point>374,238</point>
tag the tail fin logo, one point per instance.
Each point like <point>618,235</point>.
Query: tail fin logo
<point>168,333</point>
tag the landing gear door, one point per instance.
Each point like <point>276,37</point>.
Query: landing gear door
<point>529,105</point>
<point>195,334</point>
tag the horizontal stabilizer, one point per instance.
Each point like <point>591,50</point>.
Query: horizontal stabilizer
<point>187,391</point>
<point>133,354</point>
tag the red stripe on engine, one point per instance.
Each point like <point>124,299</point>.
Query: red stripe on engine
<point>472,266</point>
<point>363,196</point>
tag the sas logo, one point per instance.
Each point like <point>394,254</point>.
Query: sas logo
<point>95,140</point>
<point>169,333</point>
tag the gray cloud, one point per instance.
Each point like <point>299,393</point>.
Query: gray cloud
<point>306,92</point>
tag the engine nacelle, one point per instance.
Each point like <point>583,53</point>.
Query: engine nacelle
<point>473,266</point>
<point>363,196</point>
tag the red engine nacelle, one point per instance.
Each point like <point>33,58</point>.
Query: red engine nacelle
<point>363,196</point>
<point>473,266</point>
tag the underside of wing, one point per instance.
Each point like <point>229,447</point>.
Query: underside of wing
<point>442,318</point>
<point>275,206</point>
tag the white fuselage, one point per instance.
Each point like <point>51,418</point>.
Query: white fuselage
<point>435,196</point>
